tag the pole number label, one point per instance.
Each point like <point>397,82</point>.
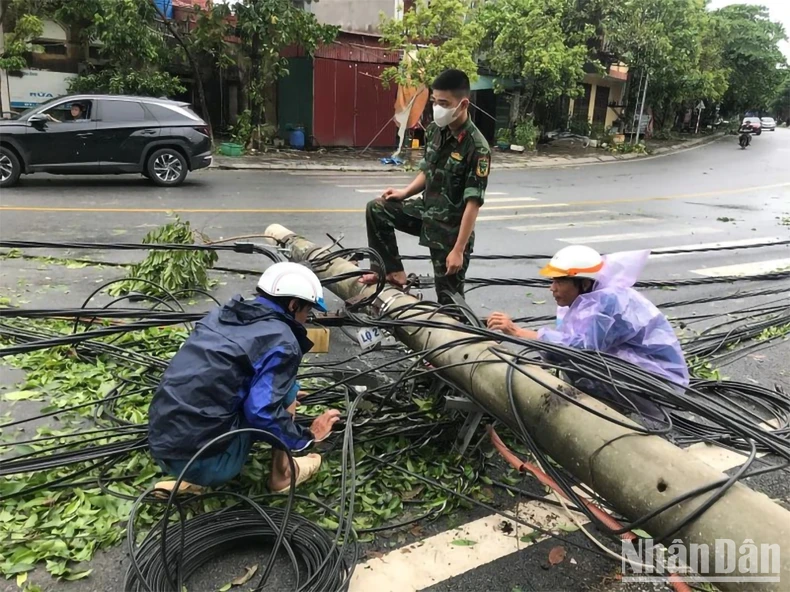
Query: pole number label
<point>369,336</point>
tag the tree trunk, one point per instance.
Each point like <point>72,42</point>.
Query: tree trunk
<point>256,98</point>
<point>195,67</point>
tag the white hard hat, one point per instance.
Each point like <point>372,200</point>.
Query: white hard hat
<point>574,261</point>
<point>292,279</point>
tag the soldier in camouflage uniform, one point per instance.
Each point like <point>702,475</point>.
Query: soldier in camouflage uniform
<point>453,178</point>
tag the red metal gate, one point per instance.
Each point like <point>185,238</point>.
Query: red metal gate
<point>350,106</point>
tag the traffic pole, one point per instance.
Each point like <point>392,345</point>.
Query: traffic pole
<point>635,473</point>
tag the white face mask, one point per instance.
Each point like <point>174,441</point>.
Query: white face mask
<point>444,116</point>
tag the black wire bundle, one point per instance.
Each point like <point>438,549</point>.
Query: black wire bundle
<point>165,560</point>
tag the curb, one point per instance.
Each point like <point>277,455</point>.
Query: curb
<point>568,162</point>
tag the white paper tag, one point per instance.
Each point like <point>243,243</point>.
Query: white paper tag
<point>369,336</point>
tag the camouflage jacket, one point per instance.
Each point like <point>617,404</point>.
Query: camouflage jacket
<point>456,168</point>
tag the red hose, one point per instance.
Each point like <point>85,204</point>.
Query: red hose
<point>521,466</point>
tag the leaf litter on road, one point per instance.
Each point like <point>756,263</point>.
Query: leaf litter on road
<point>246,577</point>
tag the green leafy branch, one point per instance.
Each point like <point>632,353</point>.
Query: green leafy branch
<point>172,270</point>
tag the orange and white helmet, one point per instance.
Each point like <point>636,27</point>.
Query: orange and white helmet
<point>574,261</point>
<point>292,279</point>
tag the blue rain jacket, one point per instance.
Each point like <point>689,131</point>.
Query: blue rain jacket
<point>237,369</point>
<point>616,319</point>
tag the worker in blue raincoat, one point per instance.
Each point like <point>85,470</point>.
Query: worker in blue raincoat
<point>598,309</point>
<point>238,370</point>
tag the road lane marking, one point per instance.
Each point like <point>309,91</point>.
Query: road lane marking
<point>542,215</point>
<point>181,210</point>
<point>369,174</point>
<point>609,238</point>
<point>753,268</point>
<point>505,199</point>
<point>567,225</point>
<point>27,208</point>
<point>379,190</point>
<point>656,253</point>
<point>435,559</point>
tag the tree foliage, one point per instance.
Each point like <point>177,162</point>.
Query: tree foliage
<point>134,49</point>
<point>432,37</point>
<point>266,28</point>
<point>549,61</point>
<point>17,42</point>
<point>209,37</point>
<point>126,81</point>
<point>781,103</point>
<point>751,51</point>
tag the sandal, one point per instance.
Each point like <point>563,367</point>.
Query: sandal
<point>184,488</point>
<point>307,467</point>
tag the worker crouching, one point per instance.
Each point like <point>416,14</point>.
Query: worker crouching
<point>237,370</point>
<point>598,309</point>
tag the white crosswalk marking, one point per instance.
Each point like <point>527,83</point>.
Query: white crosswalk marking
<point>627,236</point>
<point>341,175</point>
<point>505,199</point>
<point>753,268</point>
<point>656,254</point>
<point>435,559</point>
<point>543,215</point>
<point>566,225</point>
<point>516,208</point>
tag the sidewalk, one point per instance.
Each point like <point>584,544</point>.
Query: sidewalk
<point>554,156</point>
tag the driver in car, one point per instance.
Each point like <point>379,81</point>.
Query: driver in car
<point>77,114</point>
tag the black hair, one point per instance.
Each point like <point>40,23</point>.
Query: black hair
<point>584,285</point>
<point>454,81</point>
<point>284,301</point>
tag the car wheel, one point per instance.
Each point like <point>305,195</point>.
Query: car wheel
<point>10,169</point>
<point>166,167</point>
<point>759,131</point>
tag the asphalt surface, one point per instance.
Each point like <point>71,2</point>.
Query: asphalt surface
<point>713,194</point>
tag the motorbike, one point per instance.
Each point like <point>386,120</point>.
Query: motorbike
<point>745,136</point>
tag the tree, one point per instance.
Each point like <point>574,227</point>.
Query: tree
<point>432,37</point>
<point>781,103</point>
<point>134,49</point>
<point>548,62</point>
<point>185,46</point>
<point>751,51</point>
<point>673,43</point>
<point>17,42</point>
<point>209,37</point>
<point>266,28</point>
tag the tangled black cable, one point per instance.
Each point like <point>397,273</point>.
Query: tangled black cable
<point>163,562</point>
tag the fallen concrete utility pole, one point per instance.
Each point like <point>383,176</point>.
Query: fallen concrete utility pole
<point>634,472</point>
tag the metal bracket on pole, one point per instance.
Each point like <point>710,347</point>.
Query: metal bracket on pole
<point>473,417</point>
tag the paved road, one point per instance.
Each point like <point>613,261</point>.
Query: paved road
<point>717,194</point>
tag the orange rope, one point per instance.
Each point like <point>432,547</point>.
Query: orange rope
<point>522,466</point>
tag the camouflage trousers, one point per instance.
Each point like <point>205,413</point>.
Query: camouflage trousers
<point>383,218</point>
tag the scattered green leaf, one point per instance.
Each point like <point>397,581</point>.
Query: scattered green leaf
<point>530,537</point>
<point>78,576</point>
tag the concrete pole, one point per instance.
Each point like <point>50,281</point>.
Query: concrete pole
<point>634,472</point>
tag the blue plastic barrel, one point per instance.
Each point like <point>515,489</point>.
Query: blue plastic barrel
<point>296,138</point>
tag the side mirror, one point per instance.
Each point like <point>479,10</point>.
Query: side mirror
<point>38,118</point>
